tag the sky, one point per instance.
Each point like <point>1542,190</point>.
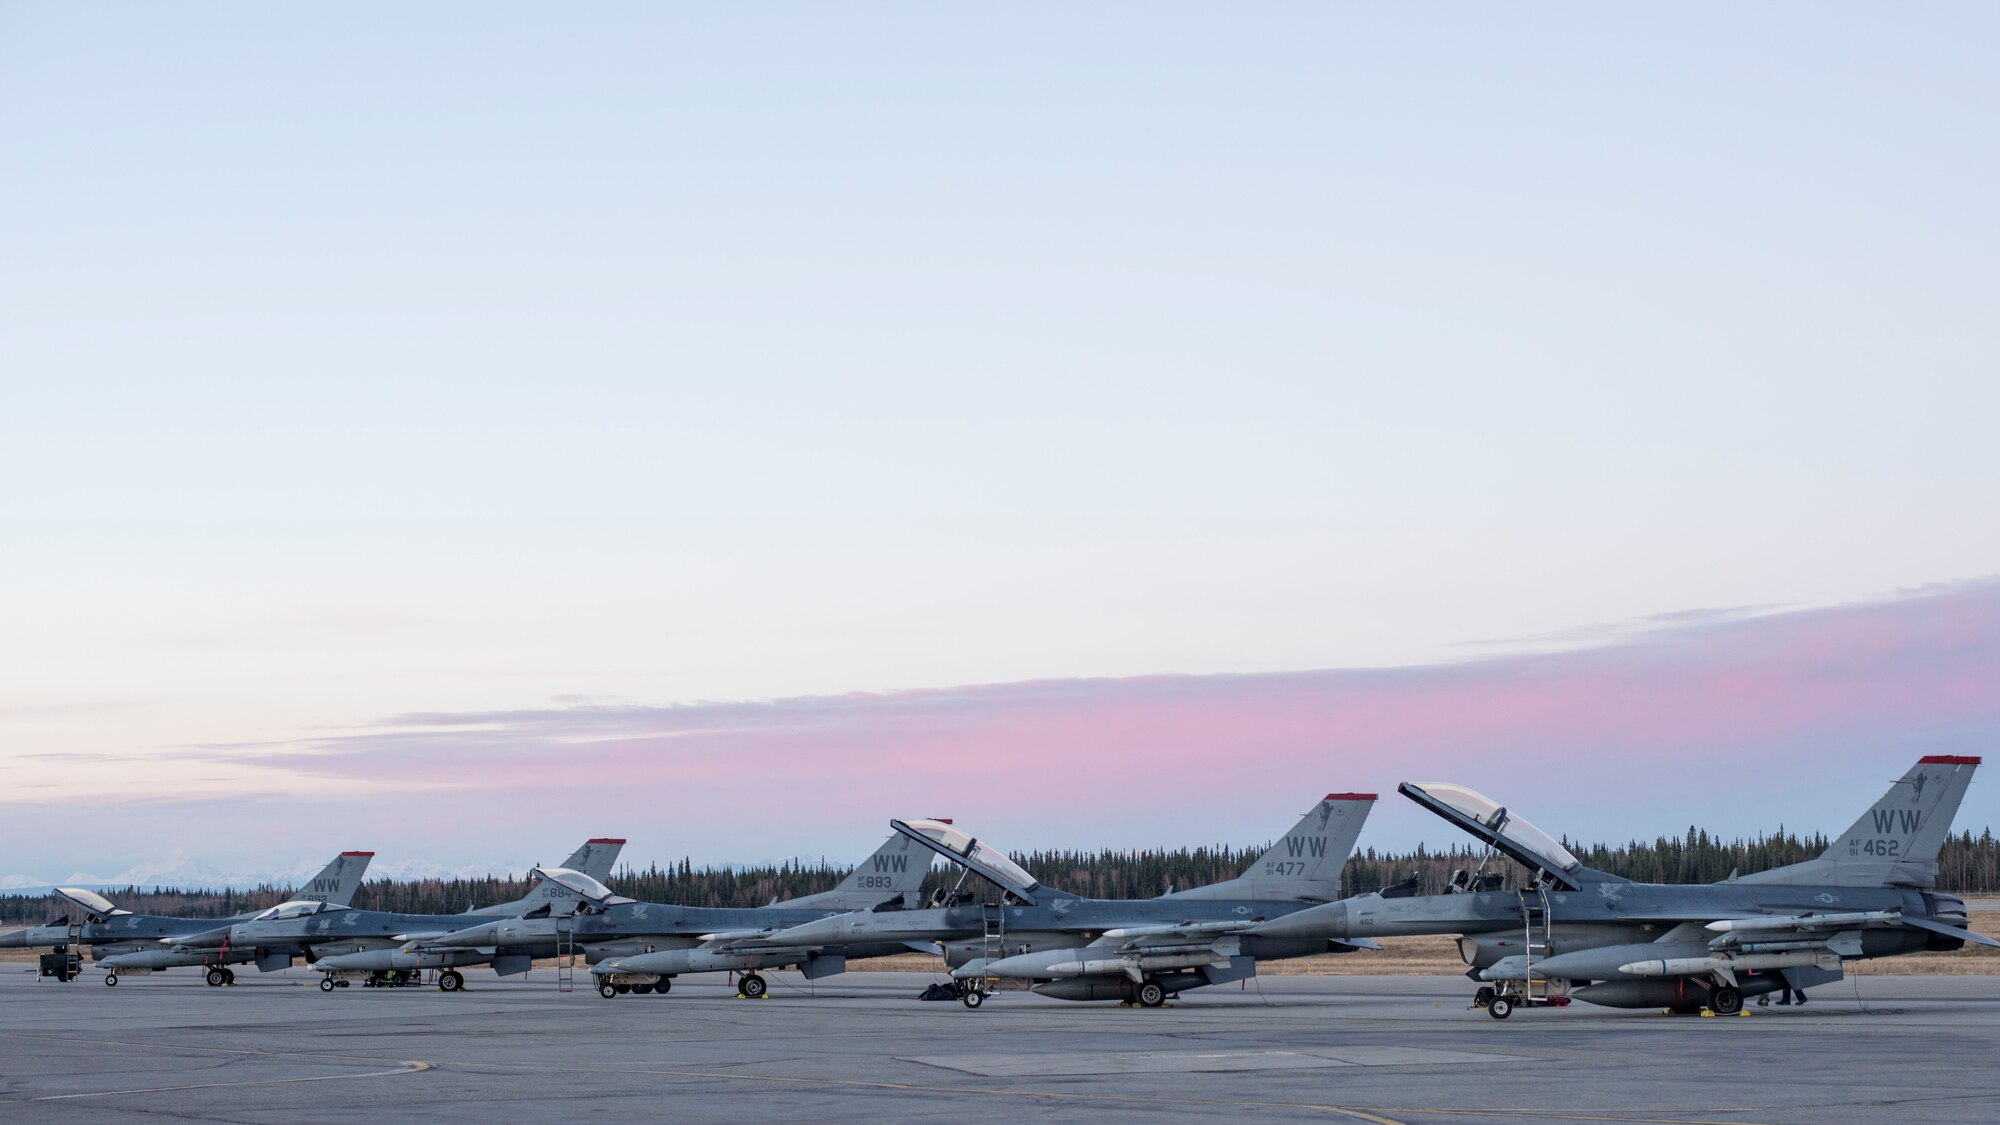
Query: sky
<point>478,427</point>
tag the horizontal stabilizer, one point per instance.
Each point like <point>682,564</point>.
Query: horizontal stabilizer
<point>1951,931</point>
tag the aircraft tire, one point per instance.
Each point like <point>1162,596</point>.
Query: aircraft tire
<point>111,979</point>
<point>751,986</point>
<point>1725,1001</point>
<point>326,984</point>
<point>1151,993</point>
<point>607,990</point>
<point>642,990</point>
<point>228,975</point>
<point>214,978</point>
<point>1500,1008</point>
<point>663,986</point>
<point>974,998</point>
<point>451,980</point>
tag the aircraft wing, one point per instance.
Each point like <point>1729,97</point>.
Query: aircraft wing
<point>1811,925</point>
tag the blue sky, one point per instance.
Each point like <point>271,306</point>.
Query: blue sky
<point>370,361</point>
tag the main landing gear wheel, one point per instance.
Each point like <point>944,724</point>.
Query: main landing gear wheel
<point>215,978</point>
<point>974,998</point>
<point>451,980</point>
<point>1500,1008</point>
<point>111,979</point>
<point>228,976</point>
<point>607,990</point>
<point>751,986</point>
<point>642,990</point>
<point>326,984</point>
<point>1151,994</point>
<point>1725,1001</point>
<point>1483,997</point>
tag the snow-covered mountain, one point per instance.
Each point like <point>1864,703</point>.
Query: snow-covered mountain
<point>194,873</point>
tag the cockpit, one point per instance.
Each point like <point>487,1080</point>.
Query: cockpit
<point>93,903</point>
<point>962,848</point>
<point>1490,821</point>
<point>297,908</point>
<point>593,895</point>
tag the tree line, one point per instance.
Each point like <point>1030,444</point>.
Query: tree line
<point>1968,864</point>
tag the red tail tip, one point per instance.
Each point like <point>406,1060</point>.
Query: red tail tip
<point>345,854</point>
<point>1349,797</point>
<point>1948,760</point>
<point>605,840</point>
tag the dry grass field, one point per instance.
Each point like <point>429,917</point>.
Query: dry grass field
<point>1438,956</point>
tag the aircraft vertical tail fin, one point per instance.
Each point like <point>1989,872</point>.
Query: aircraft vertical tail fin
<point>1896,842</point>
<point>337,881</point>
<point>896,870</point>
<point>1305,863</point>
<point>596,858</point>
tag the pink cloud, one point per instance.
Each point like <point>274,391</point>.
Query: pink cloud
<point>1738,722</point>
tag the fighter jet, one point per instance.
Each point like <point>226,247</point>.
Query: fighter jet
<point>639,947</point>
<point>124,942</point>
<point>1583,934</point>
<point>319,929</point>
<point>1137,950</point>
<point>398,964</point>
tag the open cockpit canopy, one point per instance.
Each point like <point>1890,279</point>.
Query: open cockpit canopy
<point>962,848</point>
<point>92,902</point>
<point>1482,816</point>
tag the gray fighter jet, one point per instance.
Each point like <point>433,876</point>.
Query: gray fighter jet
<point>1578,933</point>
<point>398,964</point>
<point>319,929</point>
<point>639,947</point>
<point>1137,950</point>
<point>123,942</point>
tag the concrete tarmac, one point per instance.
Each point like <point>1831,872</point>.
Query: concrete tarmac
<point>274,1048</point>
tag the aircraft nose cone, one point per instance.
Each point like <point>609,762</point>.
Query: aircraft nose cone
<point>213,939</point>
<point>487,934</point>
<point>1326,921</point>
<point>812,933</point>
<point>606,968</point>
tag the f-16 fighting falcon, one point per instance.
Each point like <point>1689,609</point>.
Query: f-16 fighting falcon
<point>1579,933</point>
<point>398,964</point>
<point>314,929</point>
<point>124,942</point>
<point>648,943</point>
<point>1138,950</point>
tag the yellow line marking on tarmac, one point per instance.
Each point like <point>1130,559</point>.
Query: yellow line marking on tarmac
<point>410,1066</point>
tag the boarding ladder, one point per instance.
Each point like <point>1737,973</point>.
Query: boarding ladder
<point>992,943</point>
<point>73,949</point>
<point>1535,946</point>
<point>566,954</point>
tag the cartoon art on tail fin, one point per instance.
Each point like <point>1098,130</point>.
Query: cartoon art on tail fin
<point>895,871</point>
<point>337,881</point>
<point>1896,842</point>
<point>1304,865</point>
